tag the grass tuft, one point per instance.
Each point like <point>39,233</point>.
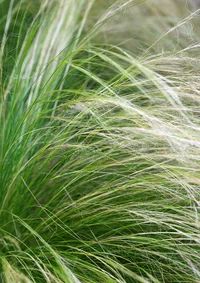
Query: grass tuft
<point>99,143</point>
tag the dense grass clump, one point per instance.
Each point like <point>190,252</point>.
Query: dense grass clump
<point>99,145</point>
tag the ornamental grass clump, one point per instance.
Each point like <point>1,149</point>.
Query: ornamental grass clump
<point>99,144</point>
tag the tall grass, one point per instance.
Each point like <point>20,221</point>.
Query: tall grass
<point>99,146</point>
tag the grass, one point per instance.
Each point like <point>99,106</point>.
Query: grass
<point>99,147</point>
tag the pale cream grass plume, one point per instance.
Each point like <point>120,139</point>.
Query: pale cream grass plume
<point>60,32</point>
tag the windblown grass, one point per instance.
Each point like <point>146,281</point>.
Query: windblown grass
<point>99,156</point>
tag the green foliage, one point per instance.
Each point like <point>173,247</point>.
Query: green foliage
<point>99,149</point>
